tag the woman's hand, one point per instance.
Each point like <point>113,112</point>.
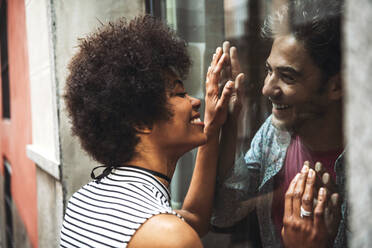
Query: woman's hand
<point>216,107</point>
<point>304,225</point>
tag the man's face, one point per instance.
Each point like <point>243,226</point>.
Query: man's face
<point>293,83</point>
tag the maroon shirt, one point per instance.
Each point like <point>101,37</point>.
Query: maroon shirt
<point>296,155</point>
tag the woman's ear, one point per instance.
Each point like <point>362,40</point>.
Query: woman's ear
<point>335,89</point>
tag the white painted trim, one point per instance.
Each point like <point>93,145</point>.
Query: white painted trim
<point>49,165</point>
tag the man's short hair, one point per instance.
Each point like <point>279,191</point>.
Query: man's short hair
<point>316,23</point>
<point>117,83</point>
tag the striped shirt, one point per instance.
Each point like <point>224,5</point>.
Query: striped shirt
<point>108,213</point>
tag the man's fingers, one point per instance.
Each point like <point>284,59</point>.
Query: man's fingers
<point>235,104</point>
<point>335,207</point>
<point>319,169</point>
<point>300,186</point>
<point>226,46</point>
<point>326,180</point>
<point>289,197</point>
<point>335,200</point>
<point>226,72</point>
<point>308,196</point>
<point>239,83</point>
<point>319,210</point>
<point>234,60</point>
<point>226,94</point>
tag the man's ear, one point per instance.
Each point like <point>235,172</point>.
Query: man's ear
<point>335,89</point>
<point>143,129</point>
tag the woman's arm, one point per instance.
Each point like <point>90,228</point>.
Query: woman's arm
<point>199,200</point>
<point>165,231</point>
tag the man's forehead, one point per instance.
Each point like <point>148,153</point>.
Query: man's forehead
<point>286,51</point>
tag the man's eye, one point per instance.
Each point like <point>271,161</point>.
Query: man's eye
<point>268,69</point>
<point>288,78</point>
<point>181,94</point>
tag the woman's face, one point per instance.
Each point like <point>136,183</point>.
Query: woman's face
<point>183,131</point>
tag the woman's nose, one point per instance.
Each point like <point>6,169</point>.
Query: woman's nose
<point>195,102</point>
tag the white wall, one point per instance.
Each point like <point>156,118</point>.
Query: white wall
<point>75,19</point>
<point>45,149</point>
<point>358,119</point>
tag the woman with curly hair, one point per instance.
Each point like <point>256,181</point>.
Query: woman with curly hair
<point>130,110</point>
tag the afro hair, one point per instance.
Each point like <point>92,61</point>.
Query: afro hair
<point>117,82</point>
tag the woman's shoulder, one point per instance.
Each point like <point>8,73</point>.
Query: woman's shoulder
<point>165,230</point>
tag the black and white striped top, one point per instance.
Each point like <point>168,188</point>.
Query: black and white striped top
<point>109,212</point>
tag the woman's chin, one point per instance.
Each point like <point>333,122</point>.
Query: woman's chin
<point>202,140</point>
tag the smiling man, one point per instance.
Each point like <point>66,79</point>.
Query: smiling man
<point>304,84</point>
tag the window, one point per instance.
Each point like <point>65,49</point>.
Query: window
<point>156,8</point>
<point>205,25</point>
<point>4,60</point>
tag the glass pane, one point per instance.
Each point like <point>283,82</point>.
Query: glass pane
<point>205,25</point>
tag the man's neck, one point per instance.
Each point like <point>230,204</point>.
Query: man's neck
<point>325,134</point>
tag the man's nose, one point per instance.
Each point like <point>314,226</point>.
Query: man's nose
<point>271,86</point>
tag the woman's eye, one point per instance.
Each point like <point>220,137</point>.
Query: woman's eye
<point>181,94</point>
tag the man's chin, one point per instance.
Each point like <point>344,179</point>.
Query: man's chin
<point>283,125</point>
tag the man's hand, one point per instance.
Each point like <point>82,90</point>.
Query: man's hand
<point>232,72</point>
<point>304,225</point>
<point>332,216</point>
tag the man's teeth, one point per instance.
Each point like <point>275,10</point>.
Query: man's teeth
<point>195,120</point>
<point>280,106</point>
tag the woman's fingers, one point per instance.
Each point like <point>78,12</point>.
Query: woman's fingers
<point>288,209</point>
<point>308,196</point>
<point>299,190</point>
<point>216,56</point>
<point>214,72</point>
<point>218,67</point>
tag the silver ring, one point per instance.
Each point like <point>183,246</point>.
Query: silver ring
<point>305,213</point>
